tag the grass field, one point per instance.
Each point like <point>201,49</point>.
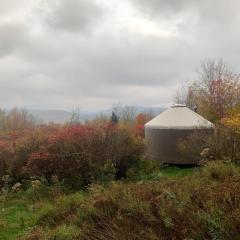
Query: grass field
<point>182,203</point>
<point>18,212</point>
<point>16,216</point>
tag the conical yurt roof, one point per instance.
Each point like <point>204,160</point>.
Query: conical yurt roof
<point>179,116</point>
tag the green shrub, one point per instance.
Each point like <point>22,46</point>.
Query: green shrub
<point>144,169</point>
<point>63,207</point>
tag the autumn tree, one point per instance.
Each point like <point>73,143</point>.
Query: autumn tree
<point>18,119</point>
<point>140,120</point>
<point>215,92</point>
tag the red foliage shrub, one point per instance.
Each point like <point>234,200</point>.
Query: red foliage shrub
<point>77,153</point>
<point>17,146</point>
<point>3,145</point>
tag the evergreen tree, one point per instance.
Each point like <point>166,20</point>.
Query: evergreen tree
<point>114,118</point>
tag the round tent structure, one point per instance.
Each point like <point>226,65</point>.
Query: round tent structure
<point>163,133</point>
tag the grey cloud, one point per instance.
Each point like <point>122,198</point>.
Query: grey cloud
<point>72,15</point>
<point>205,13</point>
<point>12,35</point>
<point>210,27</point>
<point>145,62</point>
<point>162,8</point>
<point>44,67</point>
<point>214,22</point>
<point>107,70</point>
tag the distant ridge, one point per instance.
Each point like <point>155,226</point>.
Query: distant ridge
<point>48,116</point>
<point>139,109</point>
<point>56,116</point>
<point>63,116</point>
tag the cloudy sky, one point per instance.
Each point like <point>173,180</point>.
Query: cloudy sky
<point>57,54</point>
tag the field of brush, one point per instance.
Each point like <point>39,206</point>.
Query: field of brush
<point>192,203</point>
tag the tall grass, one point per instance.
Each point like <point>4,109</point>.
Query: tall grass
<point>205,205</point>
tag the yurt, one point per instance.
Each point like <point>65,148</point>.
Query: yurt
<point>164,132</point>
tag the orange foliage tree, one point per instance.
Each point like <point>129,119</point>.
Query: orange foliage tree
<point>140,121</point>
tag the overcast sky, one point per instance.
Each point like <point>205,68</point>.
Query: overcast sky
<point>57,54</point>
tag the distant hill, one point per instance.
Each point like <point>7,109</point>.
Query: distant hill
<point>154,110</point>
<point>139,109</point>
<point>47,116</point>
<point>56,116</point>
<point>62,116</point>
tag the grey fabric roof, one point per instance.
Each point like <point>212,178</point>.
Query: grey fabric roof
<point>179,117</point>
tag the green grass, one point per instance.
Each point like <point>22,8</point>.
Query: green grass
<point>177,172</point>
<point>15,218</point>
<point>165,172</point>
<point>18,211</point>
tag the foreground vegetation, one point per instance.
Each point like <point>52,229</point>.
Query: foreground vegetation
<point>203,204</point>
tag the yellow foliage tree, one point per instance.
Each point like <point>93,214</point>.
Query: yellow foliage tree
<point>232,121</point>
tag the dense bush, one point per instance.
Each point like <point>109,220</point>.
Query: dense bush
<point>223,143</point>
<point>4,154</point>
<point>17,146</point>
<point>205,205</point>
<point>82,154</point>
<point>76,154</point>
